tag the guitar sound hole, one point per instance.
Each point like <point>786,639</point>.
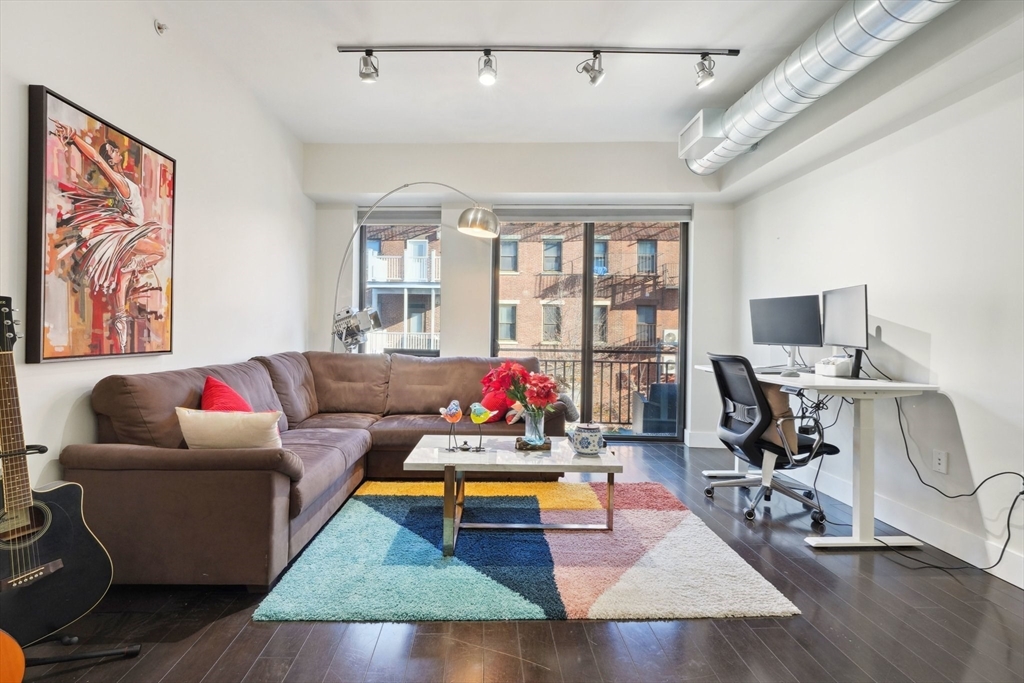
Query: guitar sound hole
<point>22,527</point>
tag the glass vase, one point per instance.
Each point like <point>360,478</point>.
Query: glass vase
<point>534,428</point>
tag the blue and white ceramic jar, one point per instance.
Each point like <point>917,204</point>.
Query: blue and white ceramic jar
<point>586,439</point>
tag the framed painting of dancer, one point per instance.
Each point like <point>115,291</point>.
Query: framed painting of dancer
<point>101,236</point>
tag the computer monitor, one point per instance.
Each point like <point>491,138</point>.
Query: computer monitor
<point>845,313</point>
<point>786,321</point>
<point>845,317</point>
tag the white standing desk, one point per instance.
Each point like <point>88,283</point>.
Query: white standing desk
<point>864,393</point>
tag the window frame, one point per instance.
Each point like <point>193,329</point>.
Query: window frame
<point>653,257</point>
<point>515,320</point>
<point>654,309</point>
<point>606,307</point>
<point>514,256</point>
<point>557,308</point>
<point>544,257</point>
<point>590,221</point>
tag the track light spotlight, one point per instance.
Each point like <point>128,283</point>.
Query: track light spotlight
<point>593,68</point>
<point>487,68</point>
<point>369,68</point>
<point>705,70</point>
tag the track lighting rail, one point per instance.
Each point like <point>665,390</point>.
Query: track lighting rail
<point>541,48</point>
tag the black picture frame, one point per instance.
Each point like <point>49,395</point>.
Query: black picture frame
<point>100,237</point>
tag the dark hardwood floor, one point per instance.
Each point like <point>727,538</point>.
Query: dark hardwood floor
<point>865,618</point>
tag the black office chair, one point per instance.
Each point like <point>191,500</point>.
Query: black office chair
<point>745,417</point>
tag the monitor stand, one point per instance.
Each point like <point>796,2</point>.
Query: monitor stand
<point>790,370</point>
<point>855,367</point>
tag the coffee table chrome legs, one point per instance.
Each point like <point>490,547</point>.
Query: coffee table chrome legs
<point>455,500</point>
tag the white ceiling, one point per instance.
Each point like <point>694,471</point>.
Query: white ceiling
<point>286,53</point>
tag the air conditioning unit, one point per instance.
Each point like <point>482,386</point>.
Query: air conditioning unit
<point>702,134</point>
<point>670,337</point>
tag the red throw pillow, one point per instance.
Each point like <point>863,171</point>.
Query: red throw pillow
<point>497,402</point>
<point>220,397</point>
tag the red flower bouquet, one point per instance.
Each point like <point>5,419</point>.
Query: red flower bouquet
<point>535,392</point>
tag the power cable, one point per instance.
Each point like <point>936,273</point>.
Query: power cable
<point>900,416</point>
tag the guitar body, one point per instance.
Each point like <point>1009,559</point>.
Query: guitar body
<point>12,660</point>
<point>53,570</point>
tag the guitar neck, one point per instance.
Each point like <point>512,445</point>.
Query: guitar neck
<point>17,489</point>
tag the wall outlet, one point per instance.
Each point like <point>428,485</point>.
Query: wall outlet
<point>940,461</point>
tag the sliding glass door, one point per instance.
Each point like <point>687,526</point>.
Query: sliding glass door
<point>600,304</point>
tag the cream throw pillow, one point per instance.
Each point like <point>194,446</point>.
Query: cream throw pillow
<point>779,403</point>
<point>228,429</point>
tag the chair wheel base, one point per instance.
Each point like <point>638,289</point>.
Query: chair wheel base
<point>749,513</point>
<point>809,495</point>
<point>818,517</point>
<point>709,492</point>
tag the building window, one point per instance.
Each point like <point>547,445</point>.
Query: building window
<point>646,327</point>
<point>553,256</point>
<point>506,322</point>
<point>601,324</point>
<point>552,329</point>
<point>373,246</point>
<point>646,256</point>
<point>601,257</point>
<point>509,256</point>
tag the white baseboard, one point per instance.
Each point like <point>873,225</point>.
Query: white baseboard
<point>958,542</point>
<point>702,439</point>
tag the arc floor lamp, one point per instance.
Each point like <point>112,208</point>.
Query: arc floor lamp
<point>350,325</point>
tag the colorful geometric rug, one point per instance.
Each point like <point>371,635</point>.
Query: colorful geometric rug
<point>379,559</point>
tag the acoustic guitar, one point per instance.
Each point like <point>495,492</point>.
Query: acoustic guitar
<point>53,570</point>
<point>12,660</point>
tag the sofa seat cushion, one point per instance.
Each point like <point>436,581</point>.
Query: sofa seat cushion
<point>326,455</point>
<point>403,432</point>
<point>338,421</point>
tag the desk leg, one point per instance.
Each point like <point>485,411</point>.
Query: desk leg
<point>740,471</point>
<point>863,489</point>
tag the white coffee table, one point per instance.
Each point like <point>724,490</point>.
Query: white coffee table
<point>430,455</point>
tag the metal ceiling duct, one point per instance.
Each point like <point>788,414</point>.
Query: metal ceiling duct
<point>860,32</point>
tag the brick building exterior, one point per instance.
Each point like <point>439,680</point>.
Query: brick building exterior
<point>402,266</point>
<point>636,285</point>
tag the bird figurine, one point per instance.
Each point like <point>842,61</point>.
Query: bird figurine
<point>479,414</point>
<point>452,414</point>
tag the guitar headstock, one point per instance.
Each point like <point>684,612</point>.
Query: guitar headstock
<point>8,335</point>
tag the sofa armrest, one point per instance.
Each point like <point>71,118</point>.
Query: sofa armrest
<point>121,456</point>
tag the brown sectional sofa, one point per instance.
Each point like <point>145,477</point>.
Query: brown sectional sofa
<point>168,514</point>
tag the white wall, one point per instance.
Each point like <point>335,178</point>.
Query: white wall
<point>487,172</point>
<point>335,226</point>
<point>243,232</point>
<point>466,279</point>
<point>931,219</point>
<point>709,326</point>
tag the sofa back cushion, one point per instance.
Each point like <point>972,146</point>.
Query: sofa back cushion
<point>425,385</point>
<point>139,409</point>
<point>350,382</point>
<point>293,381</point>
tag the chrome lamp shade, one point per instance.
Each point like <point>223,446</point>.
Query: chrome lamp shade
<point>479,222</point>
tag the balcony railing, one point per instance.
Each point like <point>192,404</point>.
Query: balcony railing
<point>614,383</point>
<point>403,268</point>
<point>646,334</point>
<point>378,340</point>
<point>647,263</point>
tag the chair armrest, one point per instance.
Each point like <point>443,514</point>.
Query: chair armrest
<point>819,435</point>
<point>122,456</point>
